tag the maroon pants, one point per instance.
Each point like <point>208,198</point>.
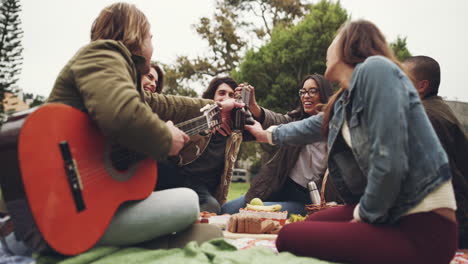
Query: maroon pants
<point>329,235</point>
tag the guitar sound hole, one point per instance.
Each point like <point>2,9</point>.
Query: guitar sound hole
<point>121,158</point>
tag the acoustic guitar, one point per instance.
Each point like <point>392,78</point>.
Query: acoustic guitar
<point>74,179</point>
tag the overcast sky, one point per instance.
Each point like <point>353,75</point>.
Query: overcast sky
<point>55,29</point>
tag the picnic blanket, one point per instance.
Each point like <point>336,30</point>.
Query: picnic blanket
<point>460,258</point>
<point>215,251</point>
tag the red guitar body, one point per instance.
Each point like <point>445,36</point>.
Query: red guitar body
<point>66,228</point>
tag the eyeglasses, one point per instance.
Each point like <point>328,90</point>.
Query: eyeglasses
<point>311,92</point>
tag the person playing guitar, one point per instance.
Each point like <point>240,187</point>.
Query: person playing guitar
<point>70,205</point>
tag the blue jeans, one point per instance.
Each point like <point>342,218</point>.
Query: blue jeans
<point>14,252</point>
<point>292,207</point>
<point>169,177</point>
<point>160,214</point>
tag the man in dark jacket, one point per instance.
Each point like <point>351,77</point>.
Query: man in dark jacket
<point>206,163</point>
<point>425,74</point>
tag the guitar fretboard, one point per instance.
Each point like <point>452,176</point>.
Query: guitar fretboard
<point>193,126</point>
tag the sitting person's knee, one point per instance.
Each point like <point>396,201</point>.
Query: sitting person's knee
<point>211,205</point>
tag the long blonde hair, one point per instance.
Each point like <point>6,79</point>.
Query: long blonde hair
<point>123,22</point>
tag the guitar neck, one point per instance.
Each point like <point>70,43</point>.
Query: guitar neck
<point>193,126</point>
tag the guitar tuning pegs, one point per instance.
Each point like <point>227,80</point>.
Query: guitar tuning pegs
<point>206,107</point>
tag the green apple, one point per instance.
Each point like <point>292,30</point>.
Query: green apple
<point>256,201</point>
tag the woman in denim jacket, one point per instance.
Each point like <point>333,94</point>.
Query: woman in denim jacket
<point>384,159</point>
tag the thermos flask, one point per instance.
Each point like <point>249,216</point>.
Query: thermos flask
<point>314,193</point>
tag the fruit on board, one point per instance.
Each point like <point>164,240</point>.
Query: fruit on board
<point>267,208</point>
<point>296,218</point>
<point>256,201</point>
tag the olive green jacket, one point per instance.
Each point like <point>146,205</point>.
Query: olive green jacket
<point>103,79</point>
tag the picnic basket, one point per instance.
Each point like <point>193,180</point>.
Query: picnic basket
<point>313,208</point>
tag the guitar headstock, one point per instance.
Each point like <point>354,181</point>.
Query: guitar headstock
<point>212,114</point>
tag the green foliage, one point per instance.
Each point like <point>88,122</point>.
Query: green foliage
<point>277,68</point>
<point>10,46</point>
<point>248,149</point>
<point>173,82</point>
<point>273,13</point>
<point>36,100</point>
<point>399,49</point>
<point>226,34</point>
<point>255,168</point>
<point>225,47</point>
<point>237,189</point>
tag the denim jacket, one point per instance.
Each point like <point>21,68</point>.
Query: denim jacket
<point>393,142</point>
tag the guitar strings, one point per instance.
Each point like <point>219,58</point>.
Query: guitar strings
<point>190,121</point>
<point>92,176</point>
<point>122,158</point>
<point>190,132</point>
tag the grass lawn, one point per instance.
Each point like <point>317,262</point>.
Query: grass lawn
<point>237,189</point>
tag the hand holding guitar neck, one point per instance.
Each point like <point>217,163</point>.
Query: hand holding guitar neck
<point>179,138</point>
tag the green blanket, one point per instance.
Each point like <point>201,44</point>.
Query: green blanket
<point>216,251</point>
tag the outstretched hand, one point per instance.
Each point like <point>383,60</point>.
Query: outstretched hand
<point>258,132</point>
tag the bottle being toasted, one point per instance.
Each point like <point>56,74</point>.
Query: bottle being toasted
<point>314,193</point>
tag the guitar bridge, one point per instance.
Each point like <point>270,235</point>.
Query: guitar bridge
<point>73,176</point>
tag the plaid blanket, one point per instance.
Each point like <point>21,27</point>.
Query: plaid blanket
<point>214,251</point>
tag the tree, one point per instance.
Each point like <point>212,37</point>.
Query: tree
<point>399,49</point>
<point>272,13</point>
<point>174,82</point>
<point>278,67</point>
<point>248,149</point>
<point>33,100</point>
<point>225,47</point>
<point>229,33</point>
<point>10,46</point>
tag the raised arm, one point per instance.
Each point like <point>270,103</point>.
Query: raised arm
<point>301,132</point>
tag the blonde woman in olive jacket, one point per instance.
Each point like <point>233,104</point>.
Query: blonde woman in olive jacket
<point>103,80</point>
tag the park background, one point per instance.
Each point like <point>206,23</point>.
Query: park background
<point>271,44</point>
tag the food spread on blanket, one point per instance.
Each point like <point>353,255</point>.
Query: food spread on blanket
<point>239,223</point>
<point>293,218</point>
<point>257,218</point>
<point>460,258</point>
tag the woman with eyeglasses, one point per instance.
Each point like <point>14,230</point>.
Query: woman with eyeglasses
<point>287,170</point>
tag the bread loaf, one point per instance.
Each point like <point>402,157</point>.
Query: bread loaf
<point>254,225</point>
<point>267,226</point>
<point>232,224</point>
<point>240,223</point>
